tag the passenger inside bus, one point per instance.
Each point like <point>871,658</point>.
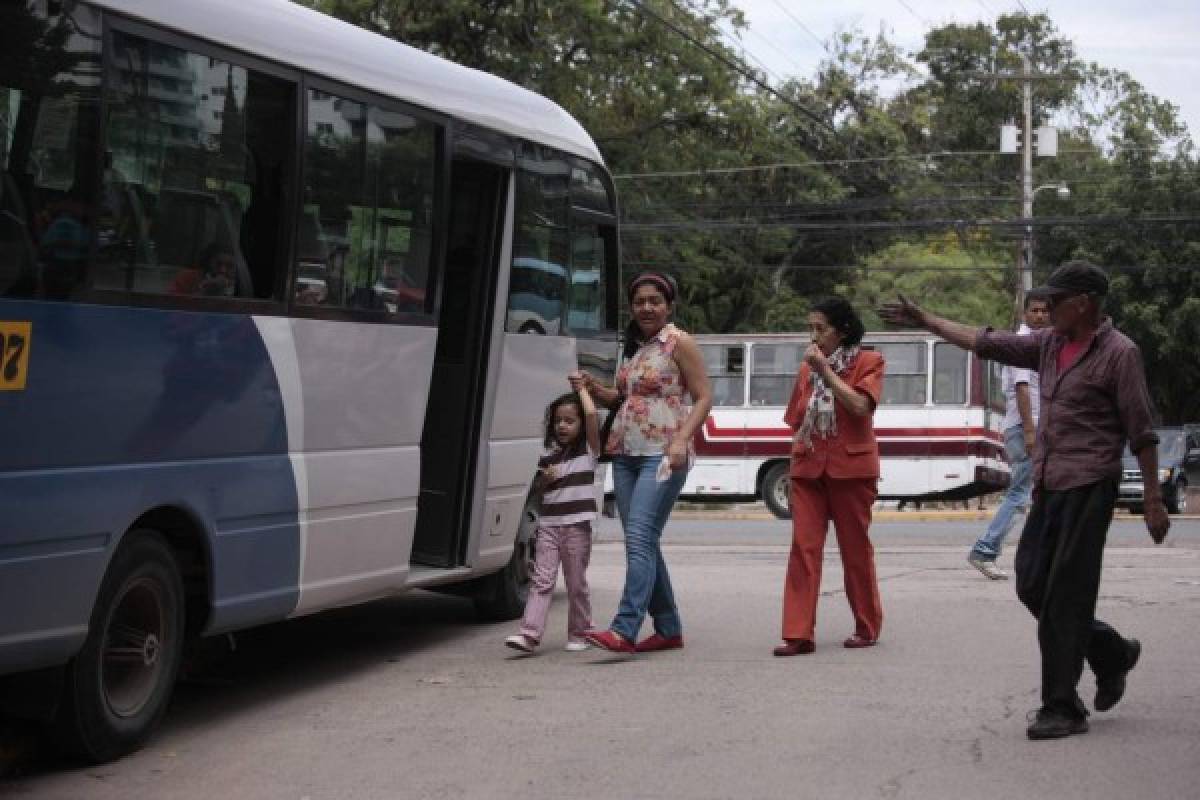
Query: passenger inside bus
<point>216,276</point>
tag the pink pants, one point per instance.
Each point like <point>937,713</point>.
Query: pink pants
<point>572,546</point>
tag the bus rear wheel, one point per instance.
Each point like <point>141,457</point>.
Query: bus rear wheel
<point>776,488</point>
<point>118,686</point>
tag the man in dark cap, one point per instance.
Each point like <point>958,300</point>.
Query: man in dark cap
<point>1094,400</point>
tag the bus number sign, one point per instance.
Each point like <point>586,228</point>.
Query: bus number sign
<point>14,354</point>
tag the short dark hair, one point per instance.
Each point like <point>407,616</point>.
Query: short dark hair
<point>843,318</point>
<point>1035,299</point>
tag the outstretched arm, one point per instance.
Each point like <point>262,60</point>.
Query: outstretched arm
<point>907,314</point>
<point>590,426</point>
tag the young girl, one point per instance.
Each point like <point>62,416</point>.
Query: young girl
<point>566,477</point>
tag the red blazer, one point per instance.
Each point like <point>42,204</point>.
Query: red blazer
<point>853,453</point>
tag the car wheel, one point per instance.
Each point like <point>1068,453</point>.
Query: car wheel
<point>1177,501</point>
<point>502,596</point>
<point>118,685</point>
<point>776,487</point>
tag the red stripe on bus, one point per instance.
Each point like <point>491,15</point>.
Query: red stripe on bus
<point>712,431</point>
<point>913,449</point>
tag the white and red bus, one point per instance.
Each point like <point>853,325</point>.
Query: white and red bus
<point>938,423</point>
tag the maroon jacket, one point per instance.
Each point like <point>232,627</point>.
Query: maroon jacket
<point>1089,411</point>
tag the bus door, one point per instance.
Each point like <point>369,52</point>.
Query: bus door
<point>454,413</point>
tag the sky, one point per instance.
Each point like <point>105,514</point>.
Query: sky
<point>1156,41</point>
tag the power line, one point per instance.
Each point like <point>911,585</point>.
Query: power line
<point>920,224</point>
<point>738,68</point>
<point>803,164</point>
<point>803,27</point>
<point>919,18</point>
<point>684,265</point>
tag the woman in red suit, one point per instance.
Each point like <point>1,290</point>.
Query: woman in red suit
<point>834,472</point>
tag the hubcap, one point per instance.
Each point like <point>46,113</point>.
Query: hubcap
<point>780,490</point>
<point>132,664</point>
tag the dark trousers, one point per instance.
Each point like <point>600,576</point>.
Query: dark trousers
<point>1058,578</point>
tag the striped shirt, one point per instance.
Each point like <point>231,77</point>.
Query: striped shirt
<point>569,496</point>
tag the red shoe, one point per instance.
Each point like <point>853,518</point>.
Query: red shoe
<point>859,641</point>
<point>611,641</point>
<point>655,642</point>
<point>795,647</point>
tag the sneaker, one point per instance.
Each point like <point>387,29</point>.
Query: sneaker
<point>1111,689</point>
<point>988,568</point>
<point>1053,725</point>
<point>520,641</point>
<point>576,645</point>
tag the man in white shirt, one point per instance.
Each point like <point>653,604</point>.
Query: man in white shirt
<point>1020,428</point>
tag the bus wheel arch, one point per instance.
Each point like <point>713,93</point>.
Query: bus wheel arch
<point>502,595</point>
<point>117,687</point>
<point>773,486</point>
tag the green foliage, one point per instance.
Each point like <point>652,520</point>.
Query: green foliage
<point>874,210</point>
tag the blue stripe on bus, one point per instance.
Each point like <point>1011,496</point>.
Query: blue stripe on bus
<point>124,411</point>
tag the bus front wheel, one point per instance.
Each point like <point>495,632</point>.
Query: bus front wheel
<point>775,489</point>
<point>502,596</point>
<point>118,685</point>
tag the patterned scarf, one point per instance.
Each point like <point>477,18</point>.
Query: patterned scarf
<point>819,416</point>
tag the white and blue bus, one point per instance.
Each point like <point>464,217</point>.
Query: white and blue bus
<point>259,355</point>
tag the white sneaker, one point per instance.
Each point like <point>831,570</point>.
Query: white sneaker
<point>519,641</point>
<point>576,645</point>
<point>988,568</point>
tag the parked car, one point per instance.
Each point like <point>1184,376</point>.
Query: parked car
<point>1178,468</point>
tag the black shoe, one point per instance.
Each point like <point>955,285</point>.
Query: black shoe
<point>1053,725</point>
<point>1109,690</point>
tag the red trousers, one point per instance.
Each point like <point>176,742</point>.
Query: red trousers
<point>847,502</point>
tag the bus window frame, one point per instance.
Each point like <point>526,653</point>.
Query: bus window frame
<point>965,386</point>
<point>114,22</point>
<point>441,204</point>
<point>607,228</point>
<point>922,345</point>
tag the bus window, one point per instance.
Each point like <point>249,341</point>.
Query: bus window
<point>49,97</point>
<point>538,282</point>
<point>949,374</point>
<point>364,241</point>
<point>195,175</point>
<point>773,372</point>
<point>587,299</point>
<point>904,384</point>
<point>725,364</point>
<point>588,190</point>
<point>996,400</point>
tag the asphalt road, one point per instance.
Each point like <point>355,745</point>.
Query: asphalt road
<point>411,698</point>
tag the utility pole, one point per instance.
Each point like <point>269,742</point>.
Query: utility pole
<point>1025,262</point>
<point>1044,141</point>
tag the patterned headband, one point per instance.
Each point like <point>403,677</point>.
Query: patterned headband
<point>659,281</point>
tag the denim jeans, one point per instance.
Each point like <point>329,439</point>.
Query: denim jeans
<point>644,505</point>
<point>1017,496</point>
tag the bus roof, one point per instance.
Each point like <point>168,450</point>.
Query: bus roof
<point>299,37</point>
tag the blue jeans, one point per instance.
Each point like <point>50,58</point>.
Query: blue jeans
<point>1017,496</point>
<point>644,505</point>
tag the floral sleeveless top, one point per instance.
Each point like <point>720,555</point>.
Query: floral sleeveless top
<point>656,399</point>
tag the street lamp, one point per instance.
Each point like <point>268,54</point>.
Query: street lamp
<point>1025,276</point>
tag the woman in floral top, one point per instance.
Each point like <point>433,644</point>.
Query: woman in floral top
<point>667,397</point>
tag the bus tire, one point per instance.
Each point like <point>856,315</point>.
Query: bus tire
<point>117,687</point>
<point>776,486</point>
<point>502,596</point>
